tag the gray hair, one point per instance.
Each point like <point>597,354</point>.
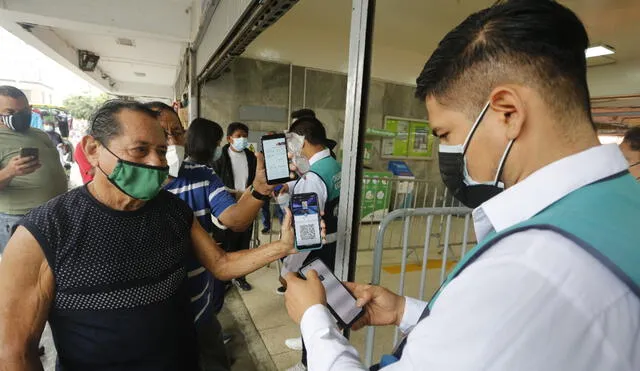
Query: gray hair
<point>104,126</point>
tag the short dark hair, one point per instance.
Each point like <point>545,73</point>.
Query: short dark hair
<point>236,126</point>
<point>632,137</point>
<point>538,43</point>
<point>160,106</point>
<point>12,92</point>
<point>202,137</point>
<point>305,112</point>
<point>103,124</point>
<point>312,129</point>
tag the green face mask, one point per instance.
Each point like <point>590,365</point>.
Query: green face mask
<point>142,182</point>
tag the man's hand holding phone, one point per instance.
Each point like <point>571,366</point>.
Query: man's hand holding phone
<point>260,182</point>
<point>302,294</point>
<point>382,307</point>
<point>20,166</point>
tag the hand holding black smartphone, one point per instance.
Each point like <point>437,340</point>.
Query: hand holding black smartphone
<point>29,152</point>
<point>306,221</point>
<point>276,158</point>
<point>340,301</point>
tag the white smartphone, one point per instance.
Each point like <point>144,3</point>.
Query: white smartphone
<point>340,300</point>
<point>276,159</point>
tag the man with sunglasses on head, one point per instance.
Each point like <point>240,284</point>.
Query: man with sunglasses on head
<point>630,147</point>
<point>104,263</point>
<point>25,182</point>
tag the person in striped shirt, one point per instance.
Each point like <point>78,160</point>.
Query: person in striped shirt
<point>198,185</point>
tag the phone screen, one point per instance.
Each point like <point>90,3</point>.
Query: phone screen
<point>339,299</point>
<point>275,158</point>
<point>306,220</point>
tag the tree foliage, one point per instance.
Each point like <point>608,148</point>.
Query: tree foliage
<point>82,106</point>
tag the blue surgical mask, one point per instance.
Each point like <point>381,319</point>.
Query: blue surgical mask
<point>240,144</point>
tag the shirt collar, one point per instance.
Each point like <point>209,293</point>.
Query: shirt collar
<point>546,186</point>
<point>319,156</point>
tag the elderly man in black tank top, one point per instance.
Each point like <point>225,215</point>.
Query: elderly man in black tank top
<point>104,263</point>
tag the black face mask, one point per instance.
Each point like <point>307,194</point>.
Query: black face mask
<point>454,173</point>
<point>19,121</point>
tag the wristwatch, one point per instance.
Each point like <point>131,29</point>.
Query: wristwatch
<point>259,196</point>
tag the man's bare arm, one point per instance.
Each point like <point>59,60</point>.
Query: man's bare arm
<point>26,293</point>
<point>226,266</point>
<point>239,217</point>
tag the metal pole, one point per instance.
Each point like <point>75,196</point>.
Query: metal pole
<point>446,249</point>
<point>361,35</point>
<point>304,90</point>
<point>194,89</point>
<point>290,92</point>
<point>355,123</point>
<point>425,257</point>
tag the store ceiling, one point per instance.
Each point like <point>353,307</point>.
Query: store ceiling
<point>316,34</point>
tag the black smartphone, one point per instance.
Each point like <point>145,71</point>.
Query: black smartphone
<point>306,221</point>
<point>29,152</point>
<point>276,160</point>
<point>340,301</point>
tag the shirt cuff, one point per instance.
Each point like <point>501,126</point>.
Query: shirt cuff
<point>314,319</point>
<point>413,309</point>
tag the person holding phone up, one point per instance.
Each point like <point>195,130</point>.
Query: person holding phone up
<point>30,169</point>
<point>320,174</point>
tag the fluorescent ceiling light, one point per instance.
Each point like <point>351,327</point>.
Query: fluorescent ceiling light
<point>610,139</point>
<point>599,50</point>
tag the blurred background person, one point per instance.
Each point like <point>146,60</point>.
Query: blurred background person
<point>237,169</point>
<point>630,147</point>
<point>25,182</point>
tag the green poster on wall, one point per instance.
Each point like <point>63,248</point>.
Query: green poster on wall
<point>420,142</point>
<point>398,146</point>
<point>413,139</point>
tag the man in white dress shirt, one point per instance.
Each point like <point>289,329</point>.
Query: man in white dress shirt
<point>554,283</point>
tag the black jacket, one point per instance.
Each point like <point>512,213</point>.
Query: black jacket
<point>225,171</point>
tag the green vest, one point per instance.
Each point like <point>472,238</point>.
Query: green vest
<point>603,218</point>
<point>330,171</point>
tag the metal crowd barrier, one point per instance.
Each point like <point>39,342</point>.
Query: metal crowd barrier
<point>449,220</point>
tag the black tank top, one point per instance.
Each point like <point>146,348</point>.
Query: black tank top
<point>120,300</point>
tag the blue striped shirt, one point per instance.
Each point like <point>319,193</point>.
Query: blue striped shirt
<point>203,191</point>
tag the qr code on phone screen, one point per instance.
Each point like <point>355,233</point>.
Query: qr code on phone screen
<point>307,232</point>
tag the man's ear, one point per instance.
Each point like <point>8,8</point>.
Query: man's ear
<point>508,103</point>
<point>90,146</point>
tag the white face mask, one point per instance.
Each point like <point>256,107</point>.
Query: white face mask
<point>295,142</point>
<point>175,157</point>
<point>240,144</point>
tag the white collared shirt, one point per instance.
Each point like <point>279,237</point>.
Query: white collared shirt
<point>311,182</point>
<point>535,301</point>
